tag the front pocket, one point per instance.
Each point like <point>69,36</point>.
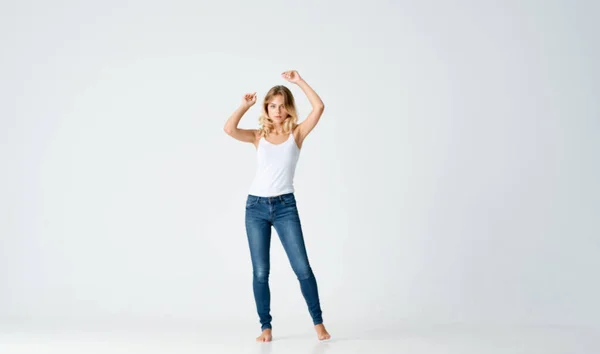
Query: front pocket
<point>251,201</point>
<point>289,200</point>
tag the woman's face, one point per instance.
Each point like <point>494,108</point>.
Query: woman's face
<point>276,110</point>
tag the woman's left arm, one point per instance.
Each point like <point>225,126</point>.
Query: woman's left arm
<point>317,104</point>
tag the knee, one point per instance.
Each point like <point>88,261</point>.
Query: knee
<point>303,272</point>
<point>261,275</point>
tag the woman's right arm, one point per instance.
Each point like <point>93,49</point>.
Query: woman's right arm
<point>231,126</point>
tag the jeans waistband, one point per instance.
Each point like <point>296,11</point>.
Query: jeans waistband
<point>270,199</point>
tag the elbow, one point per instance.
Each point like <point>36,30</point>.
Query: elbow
<point>227,130</point>
<point>320,107</point>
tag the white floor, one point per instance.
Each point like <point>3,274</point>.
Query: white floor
<point>408,339</point>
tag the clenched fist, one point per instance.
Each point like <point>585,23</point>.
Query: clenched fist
<point>249,100</point>
<point>291,76</point>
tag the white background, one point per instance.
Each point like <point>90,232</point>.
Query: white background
<point>452,178</point>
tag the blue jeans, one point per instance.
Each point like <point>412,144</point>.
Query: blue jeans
<point>281,213</point>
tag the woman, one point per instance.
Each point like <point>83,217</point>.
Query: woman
<point>271,201</point>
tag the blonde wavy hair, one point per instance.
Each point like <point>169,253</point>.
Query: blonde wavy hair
<point>266,123</point>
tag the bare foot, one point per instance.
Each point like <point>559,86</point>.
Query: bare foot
<point>265,336</point>
<point>322,332</point>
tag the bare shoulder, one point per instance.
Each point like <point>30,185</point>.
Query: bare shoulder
<point>256,137</point>
<point>307,125</point>
<point>298,136</point>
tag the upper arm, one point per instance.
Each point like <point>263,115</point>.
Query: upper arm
<point>309,123</point>
<point>245,135</point>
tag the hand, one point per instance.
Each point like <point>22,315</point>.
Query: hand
<point>249,100</point>
<point>291,76</point>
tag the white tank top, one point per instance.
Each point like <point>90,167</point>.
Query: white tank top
<point>275,168</point>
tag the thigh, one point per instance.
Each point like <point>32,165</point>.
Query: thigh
<point>289,230</point>
<point>258,232</point>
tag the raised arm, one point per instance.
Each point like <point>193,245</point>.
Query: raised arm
<point>231,125</point>
<point>317,104</point>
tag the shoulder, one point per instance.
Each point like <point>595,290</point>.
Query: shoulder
<point>257,137</point>
<point>296,131</point>
<point>297,135</point>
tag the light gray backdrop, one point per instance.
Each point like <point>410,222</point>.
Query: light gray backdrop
<point>453,176</point>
